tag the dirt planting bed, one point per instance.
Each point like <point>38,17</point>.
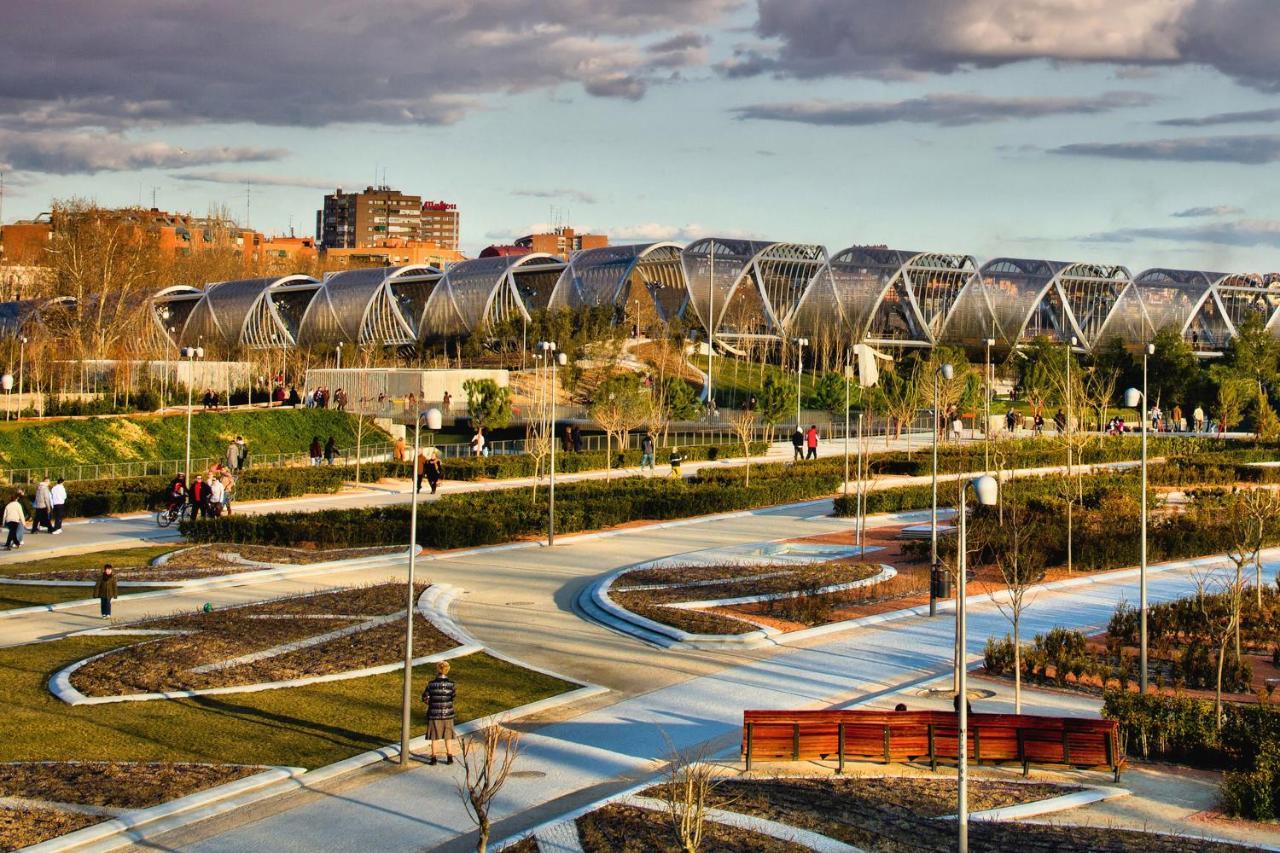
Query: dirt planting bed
<point>214,560</point>
<point>649,592</point>
<point>116,784</point>
<point>214,640</point>
<point>22,826</point>
<point>627,829</point>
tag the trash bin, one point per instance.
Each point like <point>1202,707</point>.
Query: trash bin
<point>939,583</point>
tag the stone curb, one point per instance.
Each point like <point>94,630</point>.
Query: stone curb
<point>763,826</point>
<point>215,581</point>
<point>886,572</point>
<point>434,610</point>
<point>1075,799</point>
<point>131,822</point>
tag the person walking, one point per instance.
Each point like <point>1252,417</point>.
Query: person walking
<point>397,449</point>
<point>243,456</point>
<point>228,486</point>
<point>1197,418</point>
<point>15,520</point>
<point>315,451</point>
<point>797,445</point>
<point>105,590</point>
<point>477,442</point>
<point>435,471</point>
<point>42,507</point>
<point>199,497</point>
<point>646,453</point>
<point>439,696</point>
<point>233,454</point>
<point>566,439</point>
<point>330,450</point>
<point>1060,421</point>
<point>1010,420</point>
<point>215,495</point>
<point>675,459</point>
<point>575,435</point>
<point>811,441</point>
<point>446,404</point>
<point>1176,425</point>
<point>59,495</point>
<point>419,470</point>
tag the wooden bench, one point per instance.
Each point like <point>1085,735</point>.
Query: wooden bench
<point>897,737</point>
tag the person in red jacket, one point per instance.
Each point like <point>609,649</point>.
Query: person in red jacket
<point>199,497</point>
<point>811,441</point>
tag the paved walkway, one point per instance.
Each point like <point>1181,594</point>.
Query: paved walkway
<point>573,761</point>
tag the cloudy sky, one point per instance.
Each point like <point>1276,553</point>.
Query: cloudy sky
<point>1145,132</point>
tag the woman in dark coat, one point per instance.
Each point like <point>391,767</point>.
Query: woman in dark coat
<point>439,697</point>
<point>105,590</point>
<point>330,450</point>
<point>434,472</point>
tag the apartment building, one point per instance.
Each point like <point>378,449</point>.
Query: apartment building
<point>362,219</point>
<point>440,224</point>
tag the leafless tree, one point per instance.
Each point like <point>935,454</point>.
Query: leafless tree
<point>1250,520</point>
<point>1218,600</point>
<point>743,424</point>
<point>691,781</point>
<point>1022,567</point>
<point>487,758</point>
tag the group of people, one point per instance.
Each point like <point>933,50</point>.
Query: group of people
<point>322,453</point>
<point>47,509</point>
<point>805,443</point>
<point>321,397</point>
<point>210,494</point>
<point>1174,421</point>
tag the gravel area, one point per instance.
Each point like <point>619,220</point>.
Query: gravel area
<point>23,826</point>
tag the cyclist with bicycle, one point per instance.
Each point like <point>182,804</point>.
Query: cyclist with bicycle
<point>177,493</point>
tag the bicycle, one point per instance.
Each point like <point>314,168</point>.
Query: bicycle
<point>181,512</point>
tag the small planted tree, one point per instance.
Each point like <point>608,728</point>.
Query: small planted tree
<point>488,403</point>
<point>487,758</point>
<point>1233,396</point>
<point>1021,566</point>
<point>1218,604</point>
<point>620,405</point>
<point>743,423</point>
<point>775,400</point>
<point>687,791</point>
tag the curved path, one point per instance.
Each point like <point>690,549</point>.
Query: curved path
<point>685,698</point>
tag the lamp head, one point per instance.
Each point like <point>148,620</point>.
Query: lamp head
<point>1132,398</point>
<point>1151,349</point>
<point>6,382</point>
<point>562,359</point>
<point>987,490</point>
<point>991,342</point>
<point>433,418</point>
<point>803,342</point>
<point>1074,340</point>
<point>947,371</point>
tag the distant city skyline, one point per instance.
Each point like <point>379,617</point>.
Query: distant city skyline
<point>1146,134</point>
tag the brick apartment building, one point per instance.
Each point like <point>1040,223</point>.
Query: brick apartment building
<point>439,224</point>
<point>562,241</point>
<point>362,219</point>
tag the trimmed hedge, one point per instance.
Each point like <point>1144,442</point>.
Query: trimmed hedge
<point>137,494</point>
<point>492,517</point>
<point>514,466</point>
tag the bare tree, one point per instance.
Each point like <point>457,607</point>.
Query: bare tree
<point>691,780</point>
<point>1250,521</point>
<point>1021,566</point>
<point>620,405</point>
<point>743,424</point>
<point>1220,608</point>
<point>487,758</point>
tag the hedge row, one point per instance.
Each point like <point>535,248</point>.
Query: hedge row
<point>492,517</point>
<point>514,466</point>
<point>137,494</point>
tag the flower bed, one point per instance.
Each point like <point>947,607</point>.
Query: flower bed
<point>207,649</point>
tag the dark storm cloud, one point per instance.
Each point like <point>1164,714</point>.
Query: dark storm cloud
<point>890,38</point>
<point>242,178</point>
<point>124,63</point>
<point>1245,150</point>
<point>942,109</point>
<point>1246,117</point>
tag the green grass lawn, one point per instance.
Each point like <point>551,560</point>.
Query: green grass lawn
<point>57,443</point>
<point>303,726</point>
<point>121,558</point>
<point>15,595</point>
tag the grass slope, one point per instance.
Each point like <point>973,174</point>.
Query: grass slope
<point>304,726</point>
<point>37,444</point>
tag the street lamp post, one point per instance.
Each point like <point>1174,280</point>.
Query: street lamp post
<point>22,355</point>
<point>1134,398</point>
<point>987,490</point>
<point>339,351</point>
<point>801,343</point>
<point>848,375</point>
<point>553,359</point>
<point>986,426</point>
<point>406,698</point>
<point>946,371</point>
<point>190,354</point>
<point>862,548</point>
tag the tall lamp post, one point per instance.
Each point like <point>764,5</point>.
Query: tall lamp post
<point>190,354</point>
<point>801,343</point>
<point>987,490</point>
<point>339,351</point>
<point>433,420</point>
<point>553,359</point>
<point>945,371</point>
<point>22,355</point>
<point>848,377</point>
<point>1133,398</point>
<point>986,426</point>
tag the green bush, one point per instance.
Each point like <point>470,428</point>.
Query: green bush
<point>1254,794</point>
<point>997,657</point>
<point>137,494</point>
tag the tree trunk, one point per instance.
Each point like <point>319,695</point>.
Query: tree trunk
<point>482,840</point>
<point>1017,663</point>
<point>1217,696</point>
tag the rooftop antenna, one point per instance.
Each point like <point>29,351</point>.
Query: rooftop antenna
<point>153,198</point>
<point>248,194</point>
